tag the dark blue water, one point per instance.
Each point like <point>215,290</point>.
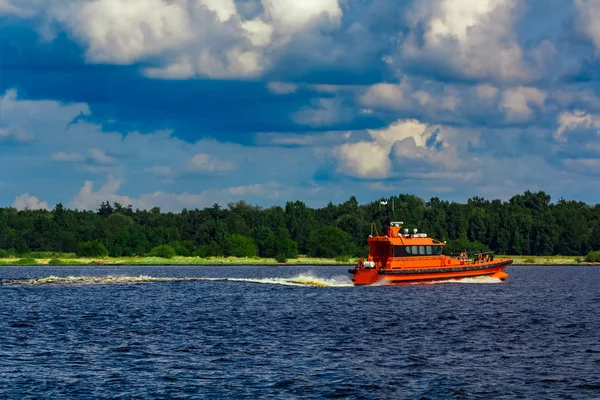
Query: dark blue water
<point>537,335</point>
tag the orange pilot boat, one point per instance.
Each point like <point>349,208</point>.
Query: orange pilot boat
<point>401,257</point>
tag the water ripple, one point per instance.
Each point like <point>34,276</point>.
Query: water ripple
<point>263,332</point>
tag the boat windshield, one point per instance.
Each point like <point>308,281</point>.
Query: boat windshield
<point>404,251</point>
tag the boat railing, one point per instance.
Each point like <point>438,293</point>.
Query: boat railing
<point>472,256</point>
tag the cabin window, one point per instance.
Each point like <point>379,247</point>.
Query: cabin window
<point>403,251</point>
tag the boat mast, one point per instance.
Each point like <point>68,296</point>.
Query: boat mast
<point>389,210</point>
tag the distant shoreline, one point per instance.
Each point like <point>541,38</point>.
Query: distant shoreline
<point>233,261</point>
<point>183,261</point>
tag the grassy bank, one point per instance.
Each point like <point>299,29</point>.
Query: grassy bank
<point>547,260</point>
<point>174,261</point>
<point>518,260</point>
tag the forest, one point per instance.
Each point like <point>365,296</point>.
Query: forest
<point>527,224</point>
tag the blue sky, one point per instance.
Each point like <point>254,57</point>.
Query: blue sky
<point>187,103</point>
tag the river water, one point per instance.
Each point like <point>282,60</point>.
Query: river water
<point>296,332</point>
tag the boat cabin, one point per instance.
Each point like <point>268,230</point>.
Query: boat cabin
<point>398,243</point>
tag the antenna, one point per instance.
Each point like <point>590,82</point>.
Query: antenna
<point>389,208</point>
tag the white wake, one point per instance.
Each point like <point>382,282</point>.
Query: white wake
<point>299,280</point>
<point>474,279</point>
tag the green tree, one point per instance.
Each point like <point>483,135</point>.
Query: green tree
<point>456,246</point>
<point>573,219</point>
<point>544,234</point>
<point>528,223</point>
<point>163,251</point>
<point>594,241</point>
<point>300,224</point>
<point>105,209</point>
<point>265,240</point>
<point>285,247</point>
<point>357,229</point>
<point>435,216</point>
<point>211,249</point>
<point>184,248</point>
<point>242,246</point>
<point>330,242</point>
<point>92,249</point>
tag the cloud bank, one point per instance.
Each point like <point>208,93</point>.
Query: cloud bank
<point>184,103</point>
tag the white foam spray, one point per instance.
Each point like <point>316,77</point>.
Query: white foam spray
<point>299,280</point>
<point>475,279</point>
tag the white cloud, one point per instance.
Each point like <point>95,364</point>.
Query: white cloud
<point>22,114</point>
<point>364,159</point>
<point>325,139</point>
<point>289,16</point>
<point>448,176</point>
<point>224,9</point>
<point>122,31</point>
<point>255,189</point>
<point>573,97</point>
<point>181,69</point>
<point>386,95</point>
<point>281,87</point>
<point>333,89</point>
<point>456,18</point>
<point>171,201</point>
<point>26,201</point>
<point>8,8</point>
<point>371,159</point>
<point>571,120</point>
<point>66,157</point>
<point>400,130</point>
<point>517,102</point>
<point>414,95</point>
<point>589,14</point>
<point>208,163</point>
<point>473,39</point>
<point>486,91</point>
<point>584,166</point>
<point>100,157</point>
<point>258,32</point>
<point>192,37</point>
<point>412,149</point>
<point>88,199</point>
<point>15,134</point>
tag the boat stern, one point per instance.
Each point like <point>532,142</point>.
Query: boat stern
<point>365,273</point>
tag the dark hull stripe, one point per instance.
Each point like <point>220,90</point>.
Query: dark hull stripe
<point>442,270</point>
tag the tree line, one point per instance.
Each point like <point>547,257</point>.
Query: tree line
<point>527,224</point>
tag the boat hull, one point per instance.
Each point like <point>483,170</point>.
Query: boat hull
<point>365,276</point>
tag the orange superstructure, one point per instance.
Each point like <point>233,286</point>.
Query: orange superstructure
<point>401,257</point>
